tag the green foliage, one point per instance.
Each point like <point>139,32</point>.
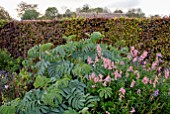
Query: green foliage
<point>10,108</point>
<point>7,62</point>
<point>41,82</point>
<point>30,15</point>
<point>105,92</point>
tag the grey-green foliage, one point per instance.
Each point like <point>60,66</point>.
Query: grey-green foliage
<point>10,108</point>
<point>67,58</point>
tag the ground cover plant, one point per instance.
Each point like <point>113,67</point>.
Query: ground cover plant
<point>91,78</point>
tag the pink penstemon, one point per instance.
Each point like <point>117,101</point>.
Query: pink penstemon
<point>104,84</point>
<point>145,80</point>
<point>101,77</point>
<point>121,96</point>
<point>155,81</point>
<point>150,81</point>
<point>105,64</point>
<point>129,56</point>
<point>96,79</point>
<point>132,111</point>
<point>113,65</point>
<point>117,75</point>
<point>133,52</point>
<point>99,50</point>
<point>96,59</point>
<point>90,78</point>
<point>154,64</point>
<point>93,86</point>
<point>137,73</point>
<point>122,90</point>
<point>135,59</point>
<point>132,83</point>
<point>143,56</point>
<point>138,91</point>
<point>130,68</point>
<point>89,60</point>
<point>107,79</point>
<point>93,75</point>
<point>166,73</point>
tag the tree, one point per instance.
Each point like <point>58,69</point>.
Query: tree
<point>85,8</point>
<point>51,12</point>
<point>106,10</point>
<point>68,13</point>
<point>135,13</point>
<point>4,14</point>
<point>23,6</point>
<point>118,11</point>
<point>30,15</point>
<point>98,10</point>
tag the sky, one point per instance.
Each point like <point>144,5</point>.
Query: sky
<point>149,7</point>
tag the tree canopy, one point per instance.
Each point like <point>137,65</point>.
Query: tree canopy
<point>30,15</point>
<point>51,12</point>
<point>4,14</point>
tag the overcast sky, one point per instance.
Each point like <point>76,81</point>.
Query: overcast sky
<point>149,7</point>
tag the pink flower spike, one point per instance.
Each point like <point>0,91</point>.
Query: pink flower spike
<point>90,78</point>
<point>99,50</point>
<point>6,86</point>
<point>159,69</point>
<point>129,56</point>
<point>166,73</point>
<point>96,59</point>
<point>101,77</point>
<point>143,56</point>
<point>93,75</point>
<point>132,111</point>
<point>96,79</point>
<point>93,86</point>
<point>89,60</point>
<point>130,68</point>
<point>132,83</point>
<point>121,96</point>
<point>117,75</point>
<point>154,64</point>
<point>138,91</point>
<point>104,84</point>
<point>107,79</point>
<point>145,80</point>
<point>156,80</point>
<point>135,53</point>
<point>150,81</point>
<point>122,90</point>
<point>159,55</point>
<point>135,59</point>
<point>138,76</point>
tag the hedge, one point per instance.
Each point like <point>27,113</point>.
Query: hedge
<point>152,35</point>
<point>3,22</point>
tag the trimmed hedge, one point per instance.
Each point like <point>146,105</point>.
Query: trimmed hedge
<point>3,22</point>
<point>145,34</point>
